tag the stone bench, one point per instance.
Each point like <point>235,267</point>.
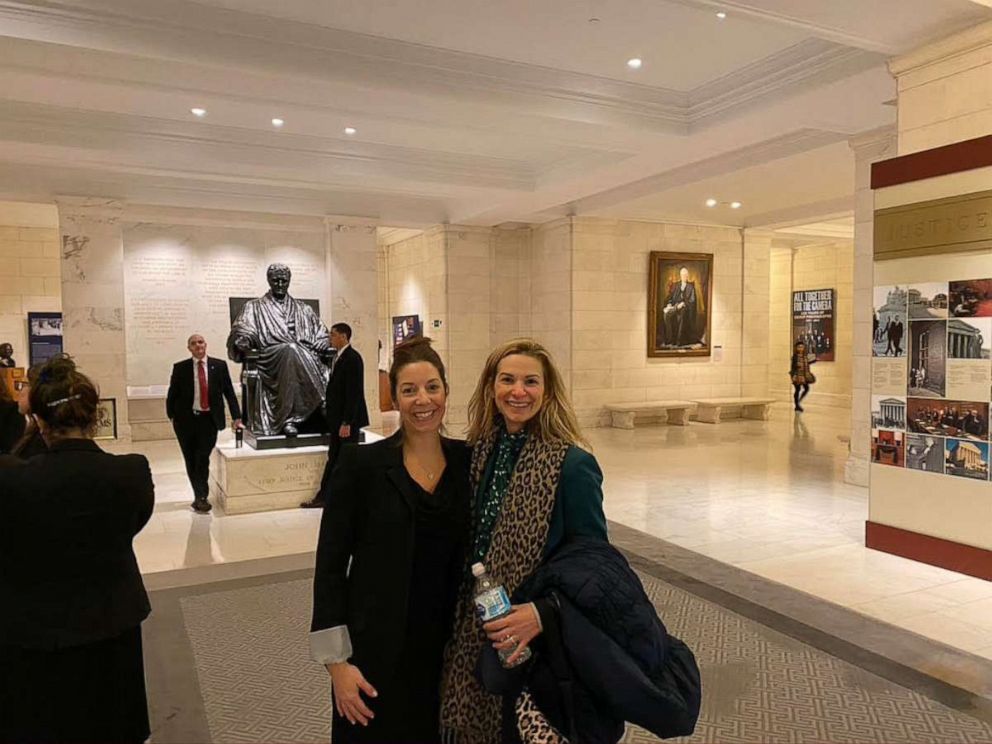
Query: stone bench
<point>710,410</point>
<point>676,412</point>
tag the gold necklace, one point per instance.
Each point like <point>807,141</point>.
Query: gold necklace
<point>416,461</point>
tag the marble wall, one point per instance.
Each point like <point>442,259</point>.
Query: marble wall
<point>552,279</point>
<point>178,278</point>
<point>93,295</point>
<point>579,286</point>
<point>945,91</point>
<point>30,281</point>
<point>610,261</point>
<point>826,265</point>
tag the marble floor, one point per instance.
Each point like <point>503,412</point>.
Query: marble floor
<point>764,496</point>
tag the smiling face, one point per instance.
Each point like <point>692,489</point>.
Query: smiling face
<point>519,390</point>
<point>421,398</point>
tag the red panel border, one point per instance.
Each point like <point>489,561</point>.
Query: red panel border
<point>935,551</point>
<point>940,161</point>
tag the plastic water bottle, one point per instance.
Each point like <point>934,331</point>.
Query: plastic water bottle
<point>492,603</point>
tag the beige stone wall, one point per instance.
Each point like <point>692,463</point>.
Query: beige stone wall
<point>822,266</point>
<point>470,313</point>
<point>552,278</point>
<point>609,307</point>
<point>415,282</point>
<point>511,284</point>
<point>30,273</point>
<point>945,91</point>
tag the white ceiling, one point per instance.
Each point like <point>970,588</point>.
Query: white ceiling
<point>467,112</point>
<point>558,34</point>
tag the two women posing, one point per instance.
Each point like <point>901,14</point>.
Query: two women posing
<point>407,515</point>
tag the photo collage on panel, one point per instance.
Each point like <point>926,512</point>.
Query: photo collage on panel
<point>938,338</point>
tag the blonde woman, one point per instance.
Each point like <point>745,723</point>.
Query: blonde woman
<point>534,487</point>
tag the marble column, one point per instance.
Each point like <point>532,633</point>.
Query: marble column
<point>756,311</point>
<point>93,295</point>
<point>468,258</point>
<point>868,148</point>
<point>352,285</point>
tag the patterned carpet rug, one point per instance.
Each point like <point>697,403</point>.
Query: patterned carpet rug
<point>234,668</point>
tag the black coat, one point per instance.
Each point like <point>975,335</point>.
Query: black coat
<point>605,657</point>
<point>369,520</point>
<point>179,399</point>
<point>68,574</point>
<point>345,399</point>
<point>12,425</point>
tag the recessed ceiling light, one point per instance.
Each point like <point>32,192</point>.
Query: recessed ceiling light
<point>711,202</point>
<point>198,112</point>
<point>593,20</point>
<point>634,63</point>
<point>721,15</point>
<point>735,205</point>
<point>350,130</point>
<point>277,122</point>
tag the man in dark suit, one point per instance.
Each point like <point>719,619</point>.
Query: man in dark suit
<point>680,311</point>
<point>345,407</point>
<point>195,405</point>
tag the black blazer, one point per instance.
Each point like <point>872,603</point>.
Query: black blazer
<point>345,399</point>
<point>68,574</point>
<point>12,425</point>
<point>369,520</point>
<point>179,400</point>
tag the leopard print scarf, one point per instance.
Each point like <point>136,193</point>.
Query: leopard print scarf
<point>468,713</point>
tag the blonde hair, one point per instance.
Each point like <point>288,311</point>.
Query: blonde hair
<point>555,421</point>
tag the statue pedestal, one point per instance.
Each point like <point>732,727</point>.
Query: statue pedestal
<point>281,441</point>
<point>245,480</point>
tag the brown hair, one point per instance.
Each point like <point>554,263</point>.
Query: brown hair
<point>64,398</point>
<point>411,351</point>
<point>555,421</point>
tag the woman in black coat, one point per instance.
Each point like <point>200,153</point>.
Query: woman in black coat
<point>12,422</point>
<point>397,513</point>
<point>71,664</point>
<point>31,442</point>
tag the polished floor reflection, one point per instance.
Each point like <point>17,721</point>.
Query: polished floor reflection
<point>765,496</point>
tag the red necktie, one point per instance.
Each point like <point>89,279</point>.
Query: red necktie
<point>204,393</point>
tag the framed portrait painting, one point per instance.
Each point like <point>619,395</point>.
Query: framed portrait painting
<point>680,302</point>
<point>106,421</point>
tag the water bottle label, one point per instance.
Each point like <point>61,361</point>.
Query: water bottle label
<point>492,604</point>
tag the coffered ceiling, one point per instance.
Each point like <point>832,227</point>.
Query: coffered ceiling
<point>464,111</point>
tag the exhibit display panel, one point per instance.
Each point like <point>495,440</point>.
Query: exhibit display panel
<point>930,488</point>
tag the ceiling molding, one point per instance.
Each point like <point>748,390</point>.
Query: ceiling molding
<point>749,10</point>
<point>963,42</point>
<point>146,28</point>
<point>162,215</point>
<point>762,152</point>
<point>51,125</point>
<point>805,65</point>
<point>805,213</point>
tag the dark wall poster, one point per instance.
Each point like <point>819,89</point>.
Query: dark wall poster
<point>813,321</point>
<point>406,326</point>
<point>44,336</point>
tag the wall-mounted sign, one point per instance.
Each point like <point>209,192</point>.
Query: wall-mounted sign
<point>44,336</point>
<point>406,326</point>
<point>813,321</point>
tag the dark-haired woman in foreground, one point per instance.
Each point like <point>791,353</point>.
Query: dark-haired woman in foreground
<point>71,666</point>
<point>398,514</point>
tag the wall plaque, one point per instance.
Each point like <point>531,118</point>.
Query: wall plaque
<point>952,225</point>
